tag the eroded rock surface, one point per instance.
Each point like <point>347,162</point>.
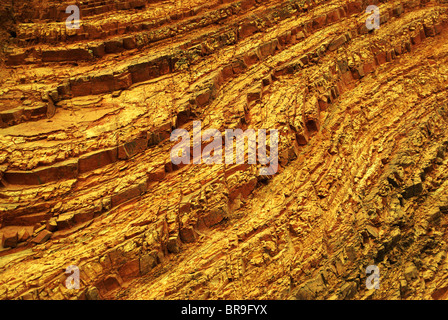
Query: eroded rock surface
<point>87,180</point>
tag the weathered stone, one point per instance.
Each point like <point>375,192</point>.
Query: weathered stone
<point>372,231</point>
<point>75,54</point>
<point>319,21</point>
<point>113,46</point>
<point>65,221</point>
<point>112,282</point>
<point>147,262</point>
<point>311,114</point>
<point>398,10</point>
<point>42,237</point>
<point>129,43</point>
<point>311,289</point>
<point>10,239</point>
<point>215,215</point>
<point>97,159</point>
<point>243,189</point>
<point>267,49</point>
<point>410,272</point>
<point>86,122</point>
<point>129,193</point>
<point>238,66</point>
<point>129,269</point>
<point>129,149</point>
<point>173,244</point>
<point>157,174</point>
<point>348,290</point>
<point>92,293</point>
<point>83,215</point>
<point>337,42</point>
<point>414,189</point>
<point>188,234</point>
<point>52,225</point>
<point>203,97</point>
<point>254,95</point>
<point>23,235</point>
<point>63,170</point>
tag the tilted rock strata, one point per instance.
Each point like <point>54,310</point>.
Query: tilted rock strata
<point>87,178</point>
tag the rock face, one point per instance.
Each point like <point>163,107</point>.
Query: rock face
<point>86,178</point>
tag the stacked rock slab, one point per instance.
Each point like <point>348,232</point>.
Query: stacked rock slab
<point>86,177</point>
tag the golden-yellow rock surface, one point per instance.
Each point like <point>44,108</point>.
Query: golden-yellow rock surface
<point>87,180</point>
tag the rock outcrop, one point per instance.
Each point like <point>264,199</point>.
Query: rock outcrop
<point>86,177</point>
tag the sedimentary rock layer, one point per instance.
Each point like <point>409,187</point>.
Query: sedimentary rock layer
<point>86,175</point>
